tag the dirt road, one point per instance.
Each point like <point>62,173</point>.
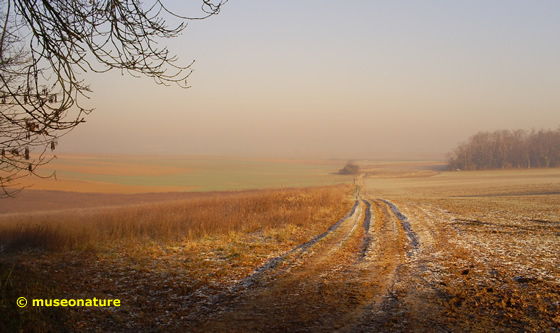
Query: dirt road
<point>399,265</point>
<point>343,280</point>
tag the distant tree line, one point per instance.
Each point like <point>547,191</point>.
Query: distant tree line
<point>506,149</point>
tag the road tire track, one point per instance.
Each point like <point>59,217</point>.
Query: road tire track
<point>343,284</point>
<point>296,252</point>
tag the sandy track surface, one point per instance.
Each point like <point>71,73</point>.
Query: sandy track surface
<point>401,265</point>
<point>343,281</point>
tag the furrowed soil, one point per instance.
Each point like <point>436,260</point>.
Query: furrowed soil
<point>418,250</point>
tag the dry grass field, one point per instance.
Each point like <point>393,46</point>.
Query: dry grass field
<point>139,253</point>
<point>414,249</point>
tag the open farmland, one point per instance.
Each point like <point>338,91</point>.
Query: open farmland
<point>410,248</point>
<point>143,252</point>
<point>142,174</point>
<point>488,254</point>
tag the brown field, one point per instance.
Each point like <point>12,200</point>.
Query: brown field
<point>415,249</point>
<point>139,174</point>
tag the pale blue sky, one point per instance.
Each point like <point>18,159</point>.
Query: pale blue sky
<point>338,79</point>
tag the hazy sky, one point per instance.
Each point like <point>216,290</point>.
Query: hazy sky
<point>338,79</point>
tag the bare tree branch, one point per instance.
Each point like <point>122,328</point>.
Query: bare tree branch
<point>45,45</point>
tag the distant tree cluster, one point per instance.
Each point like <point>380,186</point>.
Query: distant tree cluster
<point>350,169</point>
<point>507,149</point>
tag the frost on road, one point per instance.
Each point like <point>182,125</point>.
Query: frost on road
<point>392,266</point>
<point>344,279</point>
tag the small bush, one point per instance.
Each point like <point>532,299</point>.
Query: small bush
<point>350,169</point>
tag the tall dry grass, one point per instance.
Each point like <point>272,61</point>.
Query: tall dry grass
<point>171,221</point>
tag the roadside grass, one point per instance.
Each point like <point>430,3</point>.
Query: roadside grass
<point>153,257</point>
<point>167,222</point>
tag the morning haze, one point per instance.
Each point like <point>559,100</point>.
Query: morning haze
<point>301,184</point>
<point>334,79</point>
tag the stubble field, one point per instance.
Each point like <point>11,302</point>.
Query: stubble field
<point>408,248</point>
